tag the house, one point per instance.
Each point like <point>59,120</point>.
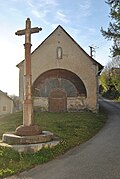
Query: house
<point>6,104</point>
<point>64,76</point>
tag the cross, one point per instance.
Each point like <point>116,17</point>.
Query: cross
<point>28,127</point>
<point>28,31</point>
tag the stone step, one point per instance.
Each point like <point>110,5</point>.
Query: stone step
<point>32,148</point>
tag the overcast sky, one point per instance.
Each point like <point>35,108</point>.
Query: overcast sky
<point>82,19</point>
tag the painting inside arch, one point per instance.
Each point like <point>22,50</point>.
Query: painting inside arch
<point>59,80</point>
<point>55,83</point>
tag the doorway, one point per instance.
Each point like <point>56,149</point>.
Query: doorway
<point>58,101</point>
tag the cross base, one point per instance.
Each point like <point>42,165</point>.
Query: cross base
<point>28,130</point>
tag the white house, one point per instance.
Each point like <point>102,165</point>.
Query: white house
<point>6,104</point>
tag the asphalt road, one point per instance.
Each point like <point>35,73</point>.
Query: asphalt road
<point>98,158</point>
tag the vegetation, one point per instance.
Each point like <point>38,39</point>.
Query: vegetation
<point>71,128</point>
<point>113,32</point>
<point>110,80</point>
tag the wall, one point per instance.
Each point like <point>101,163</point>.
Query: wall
<point>42,102</point>
<point>73,59</point>
<point>6,104</point>
<point>74,104</point>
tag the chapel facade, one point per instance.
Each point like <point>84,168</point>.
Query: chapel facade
<point>64,76</point>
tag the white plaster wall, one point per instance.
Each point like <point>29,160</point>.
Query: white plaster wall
<point>5,101</point>
<point>74,59</point>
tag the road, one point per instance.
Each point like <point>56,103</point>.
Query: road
<point>98,158</point>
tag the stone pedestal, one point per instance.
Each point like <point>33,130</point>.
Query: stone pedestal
<point>13,139</point>
<point>27,143</point>
<point>28,130</point>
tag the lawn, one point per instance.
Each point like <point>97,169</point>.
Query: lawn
<point>72,129</point>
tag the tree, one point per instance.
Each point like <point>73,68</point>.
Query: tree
<point>113,31</point>
<point>105,80</point>
<point>16,101</point>
<point>110,79</point>
<point>115,78</point>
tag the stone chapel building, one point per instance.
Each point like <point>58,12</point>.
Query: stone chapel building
<point>64,76</point>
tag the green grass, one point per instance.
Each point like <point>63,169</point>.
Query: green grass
<point>71,128</point>
<point>117,100</point>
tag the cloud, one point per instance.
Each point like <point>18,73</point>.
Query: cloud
<point>74,31</point>
<point>50,2</point>
<point>42,3</point>
<point>45,9</point>
<point>38,13</point>
<point>54,25</point>
<point>91,30</point>
<point>42,9</point>
<point>61,16</point>
<point>30,3</point>
<point>85,8</point>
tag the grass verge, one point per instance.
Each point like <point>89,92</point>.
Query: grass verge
<point>71,128</point>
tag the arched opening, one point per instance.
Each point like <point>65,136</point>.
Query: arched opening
<point>60,90</point>
<point>59,78</point>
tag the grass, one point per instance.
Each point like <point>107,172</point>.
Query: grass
<point>117,100</point>
<point>72,129</point>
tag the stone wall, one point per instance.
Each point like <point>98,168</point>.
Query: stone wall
<point>41,102</point>
<point>74,104</point>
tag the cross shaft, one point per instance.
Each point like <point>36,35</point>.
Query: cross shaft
<point>27,103</point>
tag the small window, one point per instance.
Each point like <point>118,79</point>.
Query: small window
<point>4,108</point>
<point>59,52</point>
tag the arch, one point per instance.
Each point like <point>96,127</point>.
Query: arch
<point>67,76</point>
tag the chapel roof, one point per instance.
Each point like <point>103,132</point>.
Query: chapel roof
<point>59,26</point>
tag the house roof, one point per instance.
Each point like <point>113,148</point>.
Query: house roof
<point>93,60</point>
<point>5,94</point>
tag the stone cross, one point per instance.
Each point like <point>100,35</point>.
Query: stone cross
<point>28,127</point>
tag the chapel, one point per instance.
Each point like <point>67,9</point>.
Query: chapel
<point>64,76</point>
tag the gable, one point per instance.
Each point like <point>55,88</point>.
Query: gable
<point>5,96</point>
<point>59,37</point>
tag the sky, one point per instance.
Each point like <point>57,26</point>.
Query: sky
<point>82,19</point>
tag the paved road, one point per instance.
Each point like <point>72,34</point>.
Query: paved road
<point>99,158</point>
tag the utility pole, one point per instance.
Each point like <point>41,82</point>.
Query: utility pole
<point>92,49</point>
